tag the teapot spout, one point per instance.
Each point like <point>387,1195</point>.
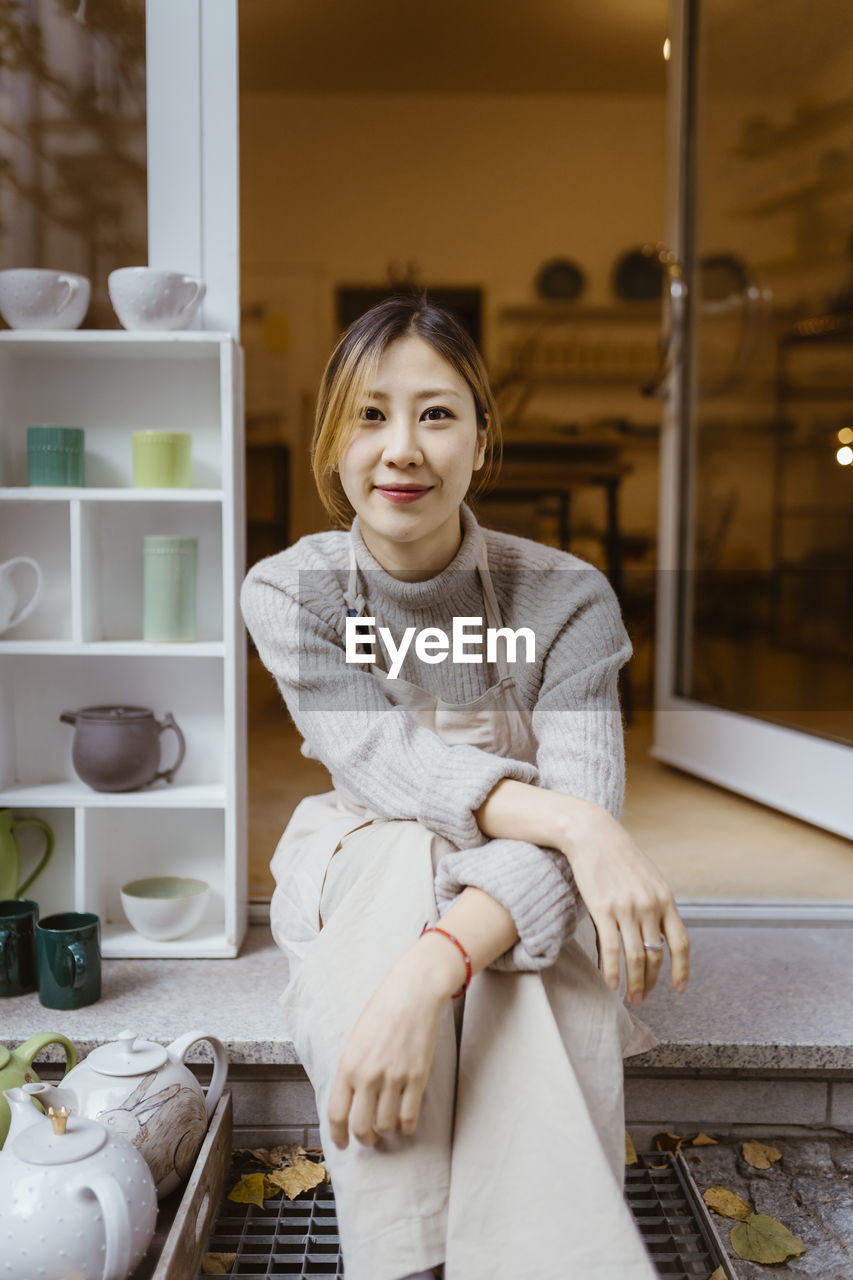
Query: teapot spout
<point>47,1095</point>
<point>69,717</point>
<point>24,1113</point>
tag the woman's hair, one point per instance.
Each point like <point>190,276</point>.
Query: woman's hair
<point>352,369</point>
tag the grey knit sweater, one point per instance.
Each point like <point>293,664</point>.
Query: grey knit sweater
<point>294,608</point>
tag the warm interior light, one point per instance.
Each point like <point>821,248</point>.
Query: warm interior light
<point>845,435</point>
<point>845,456</point>
<point>667,49</point>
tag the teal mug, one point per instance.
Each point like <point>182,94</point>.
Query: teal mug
<point>69,959</point>
<point>11,885</point>
<point>55,456</point>
<point>18,965</point>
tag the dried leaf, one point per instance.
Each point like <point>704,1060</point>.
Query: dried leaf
<point>759,1155</point>
<point>719,1274</point>
<point>668,1142</point>
<point>287,1153</point>
<point>249,1190</point>
<point>702,1140</point>
<point>259,1155</point>
<point>726,1203</point>
<point>217,1264</point>
<point>763,1239</point>
<point>657,1166</point>
<point>296,1178</point>
<point>630,1150</point>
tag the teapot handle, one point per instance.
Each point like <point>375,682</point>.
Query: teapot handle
<point>32,1047</point>
<point>118,1229</point>
<point>179,1049</point>
<point>169,722</point>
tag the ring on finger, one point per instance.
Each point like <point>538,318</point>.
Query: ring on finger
<point>654,946</point>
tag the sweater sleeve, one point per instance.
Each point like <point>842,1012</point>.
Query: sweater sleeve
<point>375,750</point>
<point>577,720</point>
<point>578,727</point>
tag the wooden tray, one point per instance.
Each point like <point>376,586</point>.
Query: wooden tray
<point>185,1218</point>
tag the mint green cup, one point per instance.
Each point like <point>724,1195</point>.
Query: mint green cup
<point>169,589</point>
<point>162,460</point>
<point>55,456</point>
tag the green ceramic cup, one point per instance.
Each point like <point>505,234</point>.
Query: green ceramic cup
<point>169,589</point>
<point>162,460</point>
<point>55,456</point>
<point>69,959</point>
<point>18,965</point>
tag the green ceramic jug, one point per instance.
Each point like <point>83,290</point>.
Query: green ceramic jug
<point>16,1068</point>
<point>11,885</point>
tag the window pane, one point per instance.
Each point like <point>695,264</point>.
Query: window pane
<point>72,140</point>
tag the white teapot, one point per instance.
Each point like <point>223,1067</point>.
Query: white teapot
<point>145,1093</point>
<point>77,1200</point>
<point>11,611</point>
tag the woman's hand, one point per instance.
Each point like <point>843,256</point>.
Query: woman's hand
<point>626,896</point>
<point>386,1063</point>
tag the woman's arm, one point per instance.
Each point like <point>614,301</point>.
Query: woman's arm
<point>625,893</point>
<point>386,1063</point>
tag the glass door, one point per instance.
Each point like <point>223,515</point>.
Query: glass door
<point>754,669</point>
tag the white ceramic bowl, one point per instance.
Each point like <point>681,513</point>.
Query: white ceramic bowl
<point>164,907</point>
<point>147,298</point>
<point>35,298</point>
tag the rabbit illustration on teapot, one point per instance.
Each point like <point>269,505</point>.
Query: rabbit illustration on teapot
<point>167,1122</point>
<point>144,1092</point>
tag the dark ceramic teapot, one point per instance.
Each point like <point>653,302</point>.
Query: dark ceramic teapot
<point>118,748</point>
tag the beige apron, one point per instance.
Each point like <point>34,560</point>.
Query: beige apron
<point>517,1164</point>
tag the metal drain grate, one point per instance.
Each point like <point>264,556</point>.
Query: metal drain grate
<point>300,1237</point>
<point>672,1218</point>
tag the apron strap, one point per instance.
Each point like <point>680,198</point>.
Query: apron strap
<point>355,604</point>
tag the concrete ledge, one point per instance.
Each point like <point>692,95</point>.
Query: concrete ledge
<point>765,999</point>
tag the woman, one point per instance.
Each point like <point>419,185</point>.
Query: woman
<point>478,1065</point>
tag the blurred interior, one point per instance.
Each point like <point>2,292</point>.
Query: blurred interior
<point>513,160</point>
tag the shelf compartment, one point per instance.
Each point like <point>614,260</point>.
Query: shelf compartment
<point>111,538</point>
<point>128,844</point>
<point>141,387</point>
<point>35,749</point>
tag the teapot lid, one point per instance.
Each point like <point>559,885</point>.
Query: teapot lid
<point>114,713</point>
<point>130,1055</point>
<point>38,1144</point>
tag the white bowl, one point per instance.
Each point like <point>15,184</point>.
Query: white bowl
<point>164,907</point>
<point>35,298</point>
<point>147,298</point>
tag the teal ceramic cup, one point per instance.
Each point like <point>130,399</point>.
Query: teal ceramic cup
<point>169,588</point>
<point>55,456</point>
<point>18,965</point>
<point>68,946</point>
<point>162,460</point>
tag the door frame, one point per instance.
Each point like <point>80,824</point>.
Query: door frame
<point>789,770</point>
<point>192,115</point>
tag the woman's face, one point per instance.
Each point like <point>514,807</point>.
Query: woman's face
<point>408,466</point>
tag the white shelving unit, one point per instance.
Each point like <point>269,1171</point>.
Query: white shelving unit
<point>82,645</point>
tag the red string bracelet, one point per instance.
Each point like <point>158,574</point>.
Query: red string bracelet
<point>435,929</point>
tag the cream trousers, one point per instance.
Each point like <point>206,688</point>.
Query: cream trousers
<point>516,1168</point>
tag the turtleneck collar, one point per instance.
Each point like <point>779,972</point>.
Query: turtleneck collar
<point>439,587</point>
